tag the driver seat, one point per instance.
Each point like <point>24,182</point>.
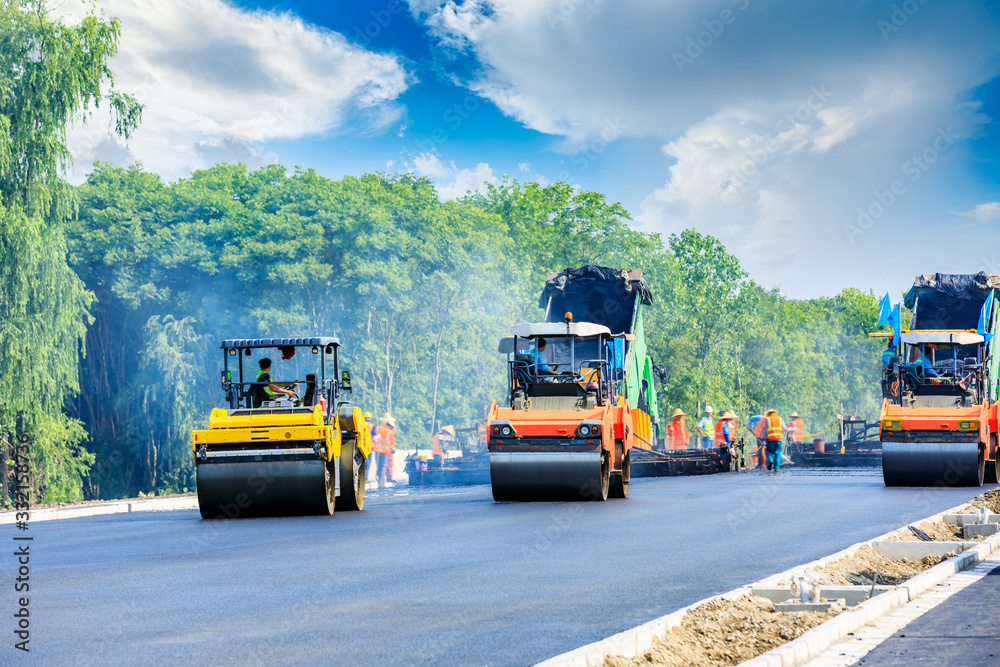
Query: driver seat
<point>310,396</point>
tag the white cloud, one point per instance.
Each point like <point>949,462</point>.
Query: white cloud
<point>524,166</point>
<point>467,180</point>
<point>787,120</point>
<point>429,164</point>
<point>219,82</point>
<point>452,182</point>
<point>982,213</point>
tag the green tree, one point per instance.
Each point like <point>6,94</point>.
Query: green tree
<point>50,74</point>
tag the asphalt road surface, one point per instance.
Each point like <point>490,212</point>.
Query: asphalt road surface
<point>431,576</point>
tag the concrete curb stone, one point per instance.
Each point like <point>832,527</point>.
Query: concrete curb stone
<point>119,507</point>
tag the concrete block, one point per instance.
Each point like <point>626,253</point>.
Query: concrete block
<point>971,530</point>
<point>918,550</point>
<point>852,595</point>
<point>963,519</point>
<point>821,607</point>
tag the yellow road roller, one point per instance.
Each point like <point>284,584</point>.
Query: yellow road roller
<point>286,444</point>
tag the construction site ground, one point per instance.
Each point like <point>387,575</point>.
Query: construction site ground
<point>437,575</point>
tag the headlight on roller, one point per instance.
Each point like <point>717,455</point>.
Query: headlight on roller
<point>502,429</point>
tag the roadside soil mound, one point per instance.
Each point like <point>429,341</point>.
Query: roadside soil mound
<point>859,569</point>
<point>724,632</point>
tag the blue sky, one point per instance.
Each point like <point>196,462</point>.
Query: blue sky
<point>827,144</point>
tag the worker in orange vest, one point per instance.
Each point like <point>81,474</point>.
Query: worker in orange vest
<point>796,429</point>
<point>677,432</point>
<point>384,444</point>
<point>724,430</point>
<point>441,440</point>
<point>775,433</point>
<point>759,426</point>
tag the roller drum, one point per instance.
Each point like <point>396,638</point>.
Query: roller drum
<point>932,464</point>
<point>548,476</point>
<point>265,488</point>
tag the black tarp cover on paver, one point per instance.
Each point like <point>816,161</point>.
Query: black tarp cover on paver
<point>597,294</point>
<point>949,301</point>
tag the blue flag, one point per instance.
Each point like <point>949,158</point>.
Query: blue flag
<point>894,320</point>
<point>884,309</point>
<point>984,318</point>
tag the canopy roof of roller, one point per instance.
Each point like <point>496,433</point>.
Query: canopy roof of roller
<point>560,329</point>
<point>316,341</point>
<point>956,337</point>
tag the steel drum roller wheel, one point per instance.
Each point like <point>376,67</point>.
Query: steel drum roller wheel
<point>932,464</point>
<point>620,479</point>
<point>534,475</point>
<point>982,467</point>
<point>992,473</point>
<point>605,476</point>
<point>246,489</point>
<point>353,476</point>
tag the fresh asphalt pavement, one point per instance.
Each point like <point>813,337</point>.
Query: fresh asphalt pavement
<point>433,575</point>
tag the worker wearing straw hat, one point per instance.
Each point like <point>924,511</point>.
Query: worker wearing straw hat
<point>796,429</point>
<point>677,432</point>
<point>725,432</point>
<point>445,436</point>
